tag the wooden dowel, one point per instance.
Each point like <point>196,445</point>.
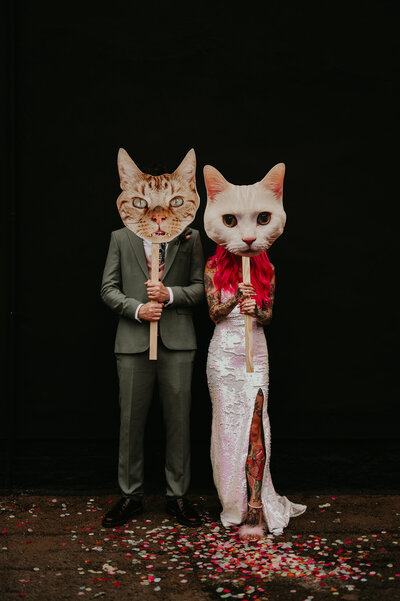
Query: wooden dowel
<point>155,268</point>
<point>248,320</point>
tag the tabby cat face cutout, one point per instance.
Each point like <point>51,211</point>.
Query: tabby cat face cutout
<point>157,208</point>
<point>245,220</point>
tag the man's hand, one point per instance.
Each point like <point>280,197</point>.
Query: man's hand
<point>156,291</point>
<point>150,311</point>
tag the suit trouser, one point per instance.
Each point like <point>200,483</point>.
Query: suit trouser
<point>137,377</point>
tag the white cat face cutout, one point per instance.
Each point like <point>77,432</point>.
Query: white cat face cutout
<point>245,220</point>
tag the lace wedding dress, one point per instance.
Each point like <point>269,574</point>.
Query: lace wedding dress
<point>233,394</point>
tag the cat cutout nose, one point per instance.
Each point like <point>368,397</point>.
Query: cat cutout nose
<point>158,218</point>
<point>248,241</point>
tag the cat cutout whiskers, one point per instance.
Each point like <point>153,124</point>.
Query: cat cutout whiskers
<point>157,208</point>
<point>245,220</point>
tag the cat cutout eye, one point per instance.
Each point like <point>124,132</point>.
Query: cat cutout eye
<point>264,218</point>
<point>229,220</point>
<point>139,203</point>
<point>176,202</point>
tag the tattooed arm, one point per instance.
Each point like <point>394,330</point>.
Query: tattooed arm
<point>216,309</point>
<point>264,316</point>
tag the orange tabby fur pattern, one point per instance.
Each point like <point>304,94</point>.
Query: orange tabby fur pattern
<point>157,208</point>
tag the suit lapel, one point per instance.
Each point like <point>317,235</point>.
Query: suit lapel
<point>172,249</point>
<point>138,249</point>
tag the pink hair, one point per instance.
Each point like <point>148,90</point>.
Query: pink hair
<point>227,274</point>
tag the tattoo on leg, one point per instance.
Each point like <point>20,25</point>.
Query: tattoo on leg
<point>254,471</point>
<point>259,403</point>
<point>255,462</point>
<point>255,468</point>
<point>252,517</point>
<point>257,488</point>
<point>258,409</point>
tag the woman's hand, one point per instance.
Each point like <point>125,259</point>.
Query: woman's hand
<point>245,290</point>
<point>248,306</point>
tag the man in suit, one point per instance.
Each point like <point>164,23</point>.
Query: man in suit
<point>127,290</point>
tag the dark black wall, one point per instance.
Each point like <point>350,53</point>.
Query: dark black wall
<point>314,86</point>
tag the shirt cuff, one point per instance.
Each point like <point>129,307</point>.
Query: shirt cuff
<point>137,313</point>
<point>171,297</point>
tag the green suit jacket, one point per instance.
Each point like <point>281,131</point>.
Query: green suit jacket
<point>123,290</point>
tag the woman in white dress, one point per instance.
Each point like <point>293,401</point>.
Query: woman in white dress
<point>241,439</point>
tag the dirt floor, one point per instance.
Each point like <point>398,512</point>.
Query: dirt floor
<point>343,547</point>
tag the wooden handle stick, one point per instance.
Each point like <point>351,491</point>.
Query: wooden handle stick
<point>248,320</point>
<point>155,267</point>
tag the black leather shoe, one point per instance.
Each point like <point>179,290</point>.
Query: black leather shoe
<point>183,511</point>
<point>122,511</point>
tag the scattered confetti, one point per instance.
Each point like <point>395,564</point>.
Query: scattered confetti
<point>147,552</point>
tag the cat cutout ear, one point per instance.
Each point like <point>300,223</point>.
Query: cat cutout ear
<point>127,169</point>
<point>215,181</point>
<point>274,179</point>
<point>187,169</point>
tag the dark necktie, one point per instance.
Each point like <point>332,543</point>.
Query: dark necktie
<point>163,247</point>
